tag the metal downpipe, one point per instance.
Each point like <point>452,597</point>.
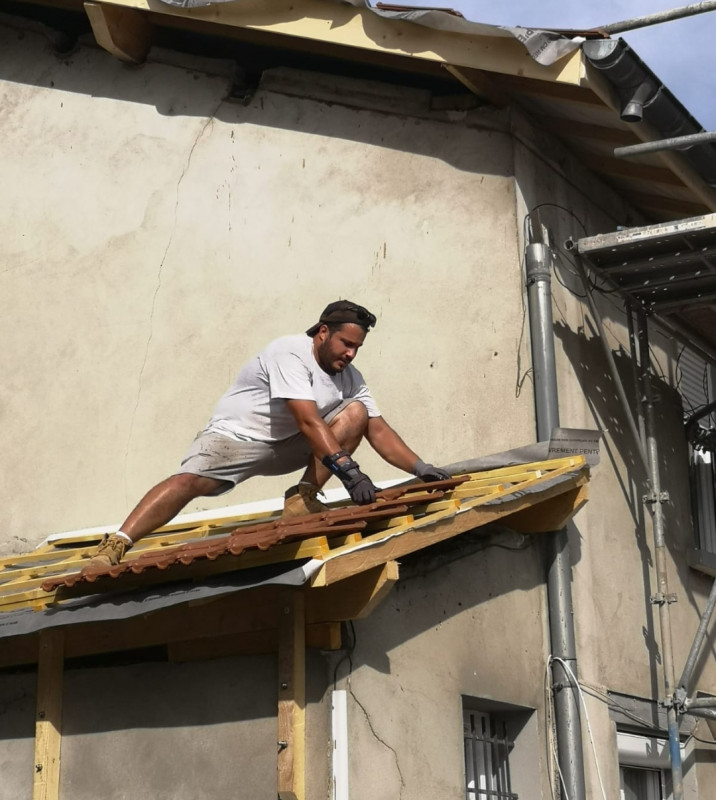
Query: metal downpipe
<point>559,589</point>
<point>662,598</point>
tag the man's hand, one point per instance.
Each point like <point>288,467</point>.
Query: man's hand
<point>427,472</point>
<point>359,486</point>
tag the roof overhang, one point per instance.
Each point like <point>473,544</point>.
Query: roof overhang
<point>224,578</point>
<point>579,98</point>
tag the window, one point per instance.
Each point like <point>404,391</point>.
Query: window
<point>487,757</point>
<point>697,386</point>
<point>636,783</point>
<point>502,748</point>
<point>644,767</point>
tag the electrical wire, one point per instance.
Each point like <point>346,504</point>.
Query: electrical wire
<point>580,694</point>
<point>552,756</point>
<point>347,656</point>
<point>612,704</point>
<point>528,372</point>
<point>699,739</point>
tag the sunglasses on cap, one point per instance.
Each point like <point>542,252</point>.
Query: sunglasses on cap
<point>363,316</point>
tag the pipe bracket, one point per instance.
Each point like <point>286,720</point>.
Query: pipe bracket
<point>660,598</point>
<point>655,497</point>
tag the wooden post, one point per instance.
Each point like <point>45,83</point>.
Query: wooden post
<point>292,697</point>
<point>48,725</point>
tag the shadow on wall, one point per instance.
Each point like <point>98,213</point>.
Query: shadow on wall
<point>181,92</point>
<point>589,364</point>
<point>446,580</point>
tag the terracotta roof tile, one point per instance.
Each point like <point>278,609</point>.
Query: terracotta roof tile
<point>263,536</point>
<point>346,538</point>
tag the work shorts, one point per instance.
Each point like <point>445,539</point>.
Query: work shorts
<point>213,455</point>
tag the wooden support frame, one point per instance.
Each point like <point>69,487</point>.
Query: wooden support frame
<point>48,725</point>
<point>123,32</point>
<point>292,697</point>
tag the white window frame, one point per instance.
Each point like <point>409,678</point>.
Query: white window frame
<point>648,753</point>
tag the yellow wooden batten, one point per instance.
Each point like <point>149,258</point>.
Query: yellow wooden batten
<point>471,505</point>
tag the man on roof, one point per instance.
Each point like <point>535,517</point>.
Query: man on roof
<point>299,403</point>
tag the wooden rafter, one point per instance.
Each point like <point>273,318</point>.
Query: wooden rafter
<point>123,32</point>
<point>450,522</point>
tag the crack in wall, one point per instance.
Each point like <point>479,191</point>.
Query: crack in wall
<point>209,121</point>
<point>378,738</point>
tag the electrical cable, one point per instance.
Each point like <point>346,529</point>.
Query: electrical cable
<point>528,372</point>
<point>347,656</point>
<point>612,704</point>
<point>580,694</point>
<point>553,757</point>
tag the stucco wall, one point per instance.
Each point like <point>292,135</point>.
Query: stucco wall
<point>467,621</point>
<point>156,237</point>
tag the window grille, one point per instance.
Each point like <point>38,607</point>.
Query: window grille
<point>487,765</point>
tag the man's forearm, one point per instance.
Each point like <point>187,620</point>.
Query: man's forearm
<point>389,446</point>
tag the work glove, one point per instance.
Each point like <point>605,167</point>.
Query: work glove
<point>427,472</point>
<point>359,486</point>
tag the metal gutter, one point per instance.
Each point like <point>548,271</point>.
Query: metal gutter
<point>643,98</point>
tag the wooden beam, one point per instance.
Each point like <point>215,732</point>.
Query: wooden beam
<point>544,88</point>
<point>292,697</point>
<point>355,597</point>
<point>323,635</point>
<point>552,515</point>
<point>48,725</point>
<point>123,32</point>
<point>628,169</point>
<point>352,28</point>
<point>243,616</point>
<point>342,565</point>
<point>571,129</point>
<point>479,83</point>
<point>670,206</point>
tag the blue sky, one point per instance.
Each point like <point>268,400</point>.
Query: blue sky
<point>681,53</point>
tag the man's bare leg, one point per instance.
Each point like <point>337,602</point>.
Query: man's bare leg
<point>165,501</point>
<point>155,509</point>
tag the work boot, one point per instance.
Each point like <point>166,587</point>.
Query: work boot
<point>300,500</point>
<point>109,552</point>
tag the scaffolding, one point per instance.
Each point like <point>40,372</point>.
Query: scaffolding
<point>666,273</point>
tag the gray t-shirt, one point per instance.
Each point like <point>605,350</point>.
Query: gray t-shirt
<point>254,407</point>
